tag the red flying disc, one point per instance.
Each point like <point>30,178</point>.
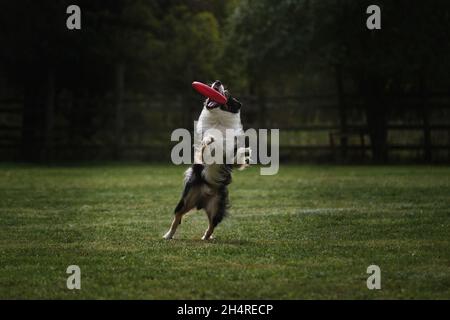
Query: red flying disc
<point>209,92</point>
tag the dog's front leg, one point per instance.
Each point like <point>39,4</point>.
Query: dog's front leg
<point>199,150</point>
<point>207,140</point>
<point>243,157</point>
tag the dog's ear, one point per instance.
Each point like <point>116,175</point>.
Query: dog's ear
<point>233,104</point>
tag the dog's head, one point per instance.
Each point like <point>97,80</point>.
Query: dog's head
<point>232,105</point>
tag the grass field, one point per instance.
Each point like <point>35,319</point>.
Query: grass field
<point>309,232</point>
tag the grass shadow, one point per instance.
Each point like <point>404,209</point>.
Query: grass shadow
<point>236,242</point>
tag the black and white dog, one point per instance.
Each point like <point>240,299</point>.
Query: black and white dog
<point>205,185</point>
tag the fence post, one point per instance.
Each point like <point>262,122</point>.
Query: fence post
<point>48,143</point>
<point>426,121</point>
<point>118,108</point>
<point>426,136</point>
<point>342,112</point>
<point>262,108</point>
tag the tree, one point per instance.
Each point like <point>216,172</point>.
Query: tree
<point>124,47</point>
<point>291,37</point>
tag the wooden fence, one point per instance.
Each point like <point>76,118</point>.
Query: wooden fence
<point>310,128</point>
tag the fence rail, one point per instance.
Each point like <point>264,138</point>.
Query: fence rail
<point>310,128</point>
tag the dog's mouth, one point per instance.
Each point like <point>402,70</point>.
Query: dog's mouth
<point>211,104</point>
<point>217,85</point>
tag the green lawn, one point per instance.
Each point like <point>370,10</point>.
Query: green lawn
<point>308,232</point>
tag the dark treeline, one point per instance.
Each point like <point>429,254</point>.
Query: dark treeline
<point>264,48</point>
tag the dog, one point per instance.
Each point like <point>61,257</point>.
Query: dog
<point>206,185</point>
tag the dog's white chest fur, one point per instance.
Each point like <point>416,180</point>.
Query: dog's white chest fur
<point>225,127</point>
<point>218,119</point>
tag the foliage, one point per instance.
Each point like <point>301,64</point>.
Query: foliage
<point>259,47</point>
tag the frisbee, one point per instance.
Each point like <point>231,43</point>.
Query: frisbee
<point>209,92</point>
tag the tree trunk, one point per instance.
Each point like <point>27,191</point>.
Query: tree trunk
<point>426,121</point>
<point>376,117</point>
<point>262,117</point>
<point>32,118</point>
<point>118,105</point>
<point>49,119</point>
<point>376,123</point>
<point>342,112</point>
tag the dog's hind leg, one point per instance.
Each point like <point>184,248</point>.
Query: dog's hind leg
<point>188,202</point>
<point>216,210</point>
<point>211,213</point>
<point>182,208</point>
<point>189,198</point>
<point>173,228</point>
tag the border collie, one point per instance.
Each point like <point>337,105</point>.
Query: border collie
<point>206,185</point>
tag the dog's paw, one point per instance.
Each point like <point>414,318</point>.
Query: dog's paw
<point>209,238</point>
<point>207,140</point>
<point>168,236</point>
<point>243,157</point>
